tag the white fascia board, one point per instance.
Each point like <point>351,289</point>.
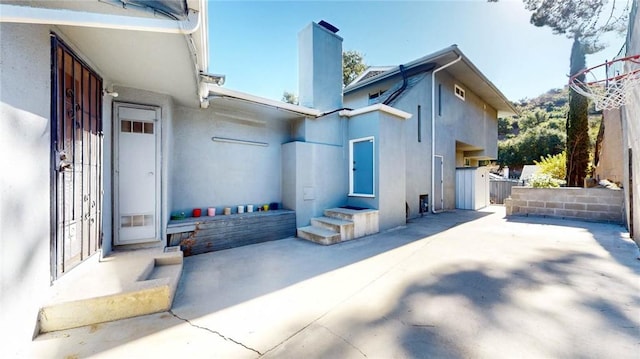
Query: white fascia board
<point>377,107</point>
<point>216,90</point>
<point>36,15</point>
<point>204,35</point>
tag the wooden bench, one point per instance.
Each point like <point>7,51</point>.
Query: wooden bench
<point>206,234</point>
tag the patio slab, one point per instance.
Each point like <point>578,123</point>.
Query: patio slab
<point>458,285</point>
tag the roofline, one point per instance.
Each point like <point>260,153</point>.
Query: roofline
<point>377,107</point>
<point>453,49</point>
<point>367,70</point>
<point>38,15</point>
<point>215,90</point>
<point>396,69</point>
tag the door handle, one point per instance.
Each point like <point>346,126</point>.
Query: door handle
<point>64,165</point>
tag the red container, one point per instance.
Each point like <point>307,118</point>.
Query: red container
<point>197,212</point>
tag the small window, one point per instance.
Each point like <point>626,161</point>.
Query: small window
<point>373,97</point>
<point>459,92</point>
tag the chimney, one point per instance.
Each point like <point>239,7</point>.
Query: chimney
<point>320,67</point>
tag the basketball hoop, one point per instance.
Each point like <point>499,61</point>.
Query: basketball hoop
<point>615,90</point>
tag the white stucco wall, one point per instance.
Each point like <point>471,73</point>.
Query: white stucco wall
<point>609,166</point>
<point>25,184</point>
<point>471,121</point>
<point>25,181</point>
<point>319,68</point>
<point>206,173</point>
<point>390,166</point>
<point>631,137</point>
<point>314,178</point>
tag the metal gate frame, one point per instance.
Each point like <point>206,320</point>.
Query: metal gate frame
<point>67,102</point>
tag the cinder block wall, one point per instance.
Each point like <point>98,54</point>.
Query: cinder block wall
<point>592,204</point>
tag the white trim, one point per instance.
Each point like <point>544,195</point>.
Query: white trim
<point>238,141</point>
<point>433,126</point>
<point>367,71</point>
<point>377,107</point>
<point>115,172</point>
<point>208,89</point>
<point>373,180</point>
<point>462,95</point>
<point>36,15</point>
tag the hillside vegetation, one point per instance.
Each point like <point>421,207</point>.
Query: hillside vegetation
<point>539,130</point>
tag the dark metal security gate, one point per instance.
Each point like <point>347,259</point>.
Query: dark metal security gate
<point>76,148</point>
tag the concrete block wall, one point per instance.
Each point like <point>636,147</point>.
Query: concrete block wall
<point>592,204</point>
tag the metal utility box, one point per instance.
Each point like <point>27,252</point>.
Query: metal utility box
<point>472,187</point>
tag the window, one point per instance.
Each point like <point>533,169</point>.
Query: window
<point>459,92</point>
<point>439,99</point>
<point>419,123</point>
<point>373,97</point>
<point>362,167</point>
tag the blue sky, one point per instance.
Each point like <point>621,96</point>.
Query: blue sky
<point>255,43</point>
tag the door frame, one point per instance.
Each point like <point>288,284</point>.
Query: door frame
<point>373,164</point>
<point>115,187</point>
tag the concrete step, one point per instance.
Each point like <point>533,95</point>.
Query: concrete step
<point>345,228</point>
<point>365,221</point>
<point>318,235</point>
<point>123,286</point>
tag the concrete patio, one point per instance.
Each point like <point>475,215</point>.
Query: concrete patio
<point>455,285</point>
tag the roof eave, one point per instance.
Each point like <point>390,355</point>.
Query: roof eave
<point>502,105</point>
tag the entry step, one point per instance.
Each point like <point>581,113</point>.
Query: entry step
<point>344,227</point>
<point>319,235</point>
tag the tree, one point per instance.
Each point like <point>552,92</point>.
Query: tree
<point>582,21</point>
<point>352,66</point>
<point>577,125</point>
<point>289,97</point>
<point>530,145</point>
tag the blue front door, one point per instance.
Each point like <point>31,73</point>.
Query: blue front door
<point>363,167</point>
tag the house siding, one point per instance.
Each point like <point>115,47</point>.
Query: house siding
<point>631,138</point>
<point>207,173</point>
<point>471,121</point>
<point>25,141</point>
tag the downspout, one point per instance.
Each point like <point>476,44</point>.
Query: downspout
<point>433,132</point>
<point>402,88</point>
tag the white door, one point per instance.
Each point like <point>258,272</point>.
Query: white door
<point>137,174</point>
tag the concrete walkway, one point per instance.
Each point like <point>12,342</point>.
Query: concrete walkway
<point>454,285</point>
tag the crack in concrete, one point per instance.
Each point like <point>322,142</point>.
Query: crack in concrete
<point>214,332</point>
<point>344,340</point>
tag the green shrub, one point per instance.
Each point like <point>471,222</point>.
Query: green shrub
<point>554,166</point>
<point>541,180</point>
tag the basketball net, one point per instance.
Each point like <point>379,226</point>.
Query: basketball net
<point>612,92</point>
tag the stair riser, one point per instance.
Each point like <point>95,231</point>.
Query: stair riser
<point>365,222</point>
<point>345,230</point>
<point>319,239</point>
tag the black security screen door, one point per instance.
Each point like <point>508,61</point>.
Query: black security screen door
<point>76,163</point>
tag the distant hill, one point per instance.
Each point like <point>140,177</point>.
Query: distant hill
<point>539,129</point>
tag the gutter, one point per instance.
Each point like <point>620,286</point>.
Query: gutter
<point>433,133</point>
<point>36,15</point>
<point>209,91</point>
